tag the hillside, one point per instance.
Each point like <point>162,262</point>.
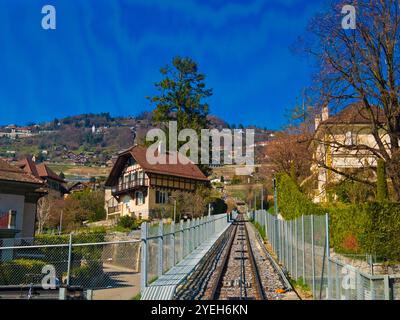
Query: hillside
<point>84,140</point>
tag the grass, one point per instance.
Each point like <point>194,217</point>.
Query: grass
<point>260,229</point>
<point>137,297</point>
<point>153,280</point>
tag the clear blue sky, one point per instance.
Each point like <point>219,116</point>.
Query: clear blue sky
<point>105,55</point>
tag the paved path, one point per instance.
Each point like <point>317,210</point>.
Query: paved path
<point>128,284</point>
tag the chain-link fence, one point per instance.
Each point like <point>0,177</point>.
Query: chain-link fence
<point>302,247</point>
<point>91,261</point>
<point>165,245</point>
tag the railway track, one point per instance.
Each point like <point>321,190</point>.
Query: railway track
<point>237,268</point>
<point>240,278</point>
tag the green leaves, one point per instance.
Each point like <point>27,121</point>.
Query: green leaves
<point>181,94</point>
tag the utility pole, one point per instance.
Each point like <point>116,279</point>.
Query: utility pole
<point>60,227</point>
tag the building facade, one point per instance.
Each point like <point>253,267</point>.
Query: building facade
<point>137,188</point>
<point>19,193</point>
<point>343,142</point>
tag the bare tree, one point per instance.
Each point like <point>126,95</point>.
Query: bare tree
<point>362,65</point>
<point>44,210</point>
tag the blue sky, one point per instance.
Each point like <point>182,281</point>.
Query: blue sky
<point>105,56</point>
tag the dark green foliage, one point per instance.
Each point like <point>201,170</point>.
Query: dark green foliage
<point>182,91</point>
<point>90,204</point>
<point>382,188</point>
<point>20,271</point>
<point>292,202</point>
<point>367,228</point>
<point>128,222</point>
<point>381,233</point>
<point>219,206</point>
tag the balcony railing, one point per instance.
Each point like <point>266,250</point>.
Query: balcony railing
<point>114,209</point>
<point>129,185</point>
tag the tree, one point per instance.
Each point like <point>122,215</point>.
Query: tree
<point>182,91</point>
<point>289,153</point>
<point>382,188</point>
<point>362,65</point>
<point>43,213</point>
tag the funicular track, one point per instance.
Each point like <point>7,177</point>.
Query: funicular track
<point>239,278</point>
<point>237,268</point>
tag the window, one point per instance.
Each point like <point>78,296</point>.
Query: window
<point>161,197</point>
<point>349,139</point>
<point>139,198</point>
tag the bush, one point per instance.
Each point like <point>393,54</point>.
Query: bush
<point>20,271</point>
<point>367,228</point>
<point>128,222</point>
<point>371,228</point>
<point>382,187</point>
<point>292,202</point>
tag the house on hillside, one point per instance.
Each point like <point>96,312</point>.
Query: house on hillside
<point>342,142</point>
<point>19,194</point>
<point>53,182</point>
<point>137,188</point>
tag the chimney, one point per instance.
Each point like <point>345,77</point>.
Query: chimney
<point>325,113</point>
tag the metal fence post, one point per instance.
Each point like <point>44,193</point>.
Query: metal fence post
<point>69,258</point>
<point>291,248</point>
<point>386,282</point>
<point>182,239</point>
<point>143,265</point>
<point>304,248</point>
<point>173,244</point>
<point>312,256</point>
<point>296,250</point>
<point>359,287</point>
<point>160,248</point>
<point>328,256</point>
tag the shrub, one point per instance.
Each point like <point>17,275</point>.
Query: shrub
<point>292,202</point>
<point>127,222</point>
<point>382,188</point>
<point>20,271</point>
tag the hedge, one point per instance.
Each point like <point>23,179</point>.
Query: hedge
<point>292,202</point>
<point>17,272</point>
<point>369,228</point>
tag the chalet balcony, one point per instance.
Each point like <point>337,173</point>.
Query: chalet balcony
<point>130,186</point>
<point>115,209</point>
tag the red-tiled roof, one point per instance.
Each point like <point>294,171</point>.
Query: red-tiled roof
<point>45,172</point>
<point>190,170</point>
<point>28,165</point>
<point>356,113</point>
<point>13,173</point>
<point>38,170</point>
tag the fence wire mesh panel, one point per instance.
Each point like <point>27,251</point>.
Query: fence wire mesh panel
<point>91,261</point>
<point>165,245</point>
<point>301,246</point>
